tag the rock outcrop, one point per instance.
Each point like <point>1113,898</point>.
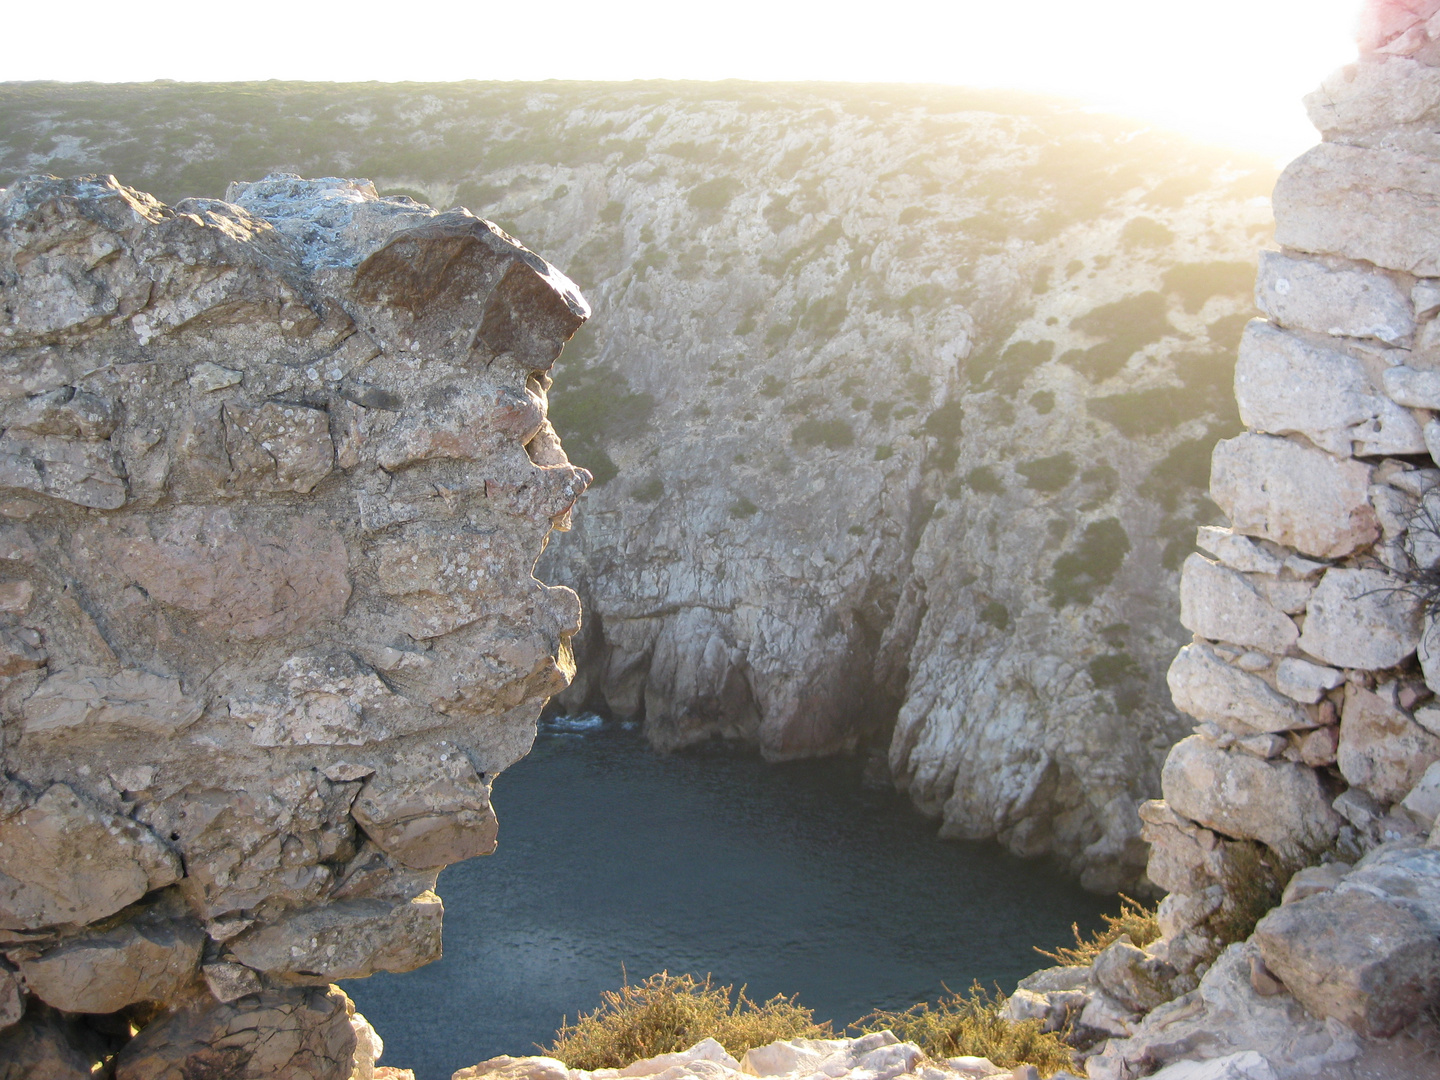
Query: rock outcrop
<point>274,474</point>
<point>1315,766</point>
<point>900,401</point>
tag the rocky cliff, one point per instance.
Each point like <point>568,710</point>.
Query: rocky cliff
<point>1299,833</point>
<point>274,474</point>
<point>899,400</point>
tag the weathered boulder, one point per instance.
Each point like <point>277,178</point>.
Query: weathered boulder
<point>1379,205</point>
<point>1294,495</point>
<point>274,477</point>
<point>1306,682</point>
<point>150,958</point>
<point>299,1034</point>
<point>65,860</point>
<point>1218,603</point>
<point>1343,300</point>
<point>1209,689</point>
<point>1132,977</point>
<point>1279,803</point>
<point>1353,956</point>
<point>1286,383</point>
<point>1363,619</point>
<point>1381,749</point>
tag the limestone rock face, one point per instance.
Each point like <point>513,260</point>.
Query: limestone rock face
<point>274,475</point>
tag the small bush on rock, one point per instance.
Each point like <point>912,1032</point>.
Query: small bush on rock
<point>970,1025</point>
<point>668,1013</point>
<point>1134,919</point>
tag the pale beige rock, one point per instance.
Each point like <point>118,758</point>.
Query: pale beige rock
<point>348,939</point>
<point>65,860</point>
<point>230,981</point>
<point>1225,1016</point>
<point>1185,858</point>
<point>210,377</point>
<point>1340,300</point>
<point>1353,956</point>
<point>1133,978</point>
<point>1294,495</point>
<point>1319,748</point>
<point>92,698</point>
<point>1313,880</point>
<point>1281,804</point>
<point>301,1034</point>
<point>1422,802</point>
<point>1236,551</point>
<point>443,818</point>
<point>144,960</point>
<point>1209,689</point>
<point>1288,384</point>
<point>1218,603</point>
<point>1381,749</point>
<point>1369,102</point>
<point>368,1048</point>
<point>1363,619</point>
<point>1304,681</point>
<point>277,447</point>
<point>1413,387</point>
<point>1379,205</point>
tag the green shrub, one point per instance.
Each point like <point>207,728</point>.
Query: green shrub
<point>1195,283</point>
<point>1042,401</point>
<point>668,1013</point>
<point>591,407</point>
<point>649,491</point>
<point>713,194</point>
<point>884,452</point>
<point>1127,326</point>
<point>1006,371</point>
<point>971,1026</point>
<point>1078,575</point>
<point>1146,232</point>
<point>1145,412</point>
<point>771,387</point>
<point>945,422</point>
<point>1135,919</point>
<point>1184,469</point>
<point>985,480</point>
<point>1048,473</point>
<point>1112,669</point>
<point>1254,882</point>
<point>829,433</point>
<point>743,508</point>
<point>996,614</point>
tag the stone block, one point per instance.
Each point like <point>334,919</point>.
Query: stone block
<point>435,820</point>
<point>1219,603</point>
<point>301,1033</point>
<point>1423,800</point>
<point>1353,957</point>
<point>1279,803</point>
<point>1363,619</point>
<point>1304,681</point>
<point>1412,387</point>
<point>1381,749</point>
<point>1294,495</point>
<point>1340,300</point>
<point>65,860</point>
<point>1314,880</point>
<point>1132,977</point>
<point>1209,689</point>
<point>1380,205</point>
<point>148,959</point>
<point>347,939</point>
<point>93,699</point>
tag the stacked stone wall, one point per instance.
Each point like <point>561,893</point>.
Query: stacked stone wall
<point>1307,796</point>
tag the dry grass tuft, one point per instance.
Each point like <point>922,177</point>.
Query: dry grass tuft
<point>971,1025</point>
<point>1134,919</point>
<point>668,1013</point>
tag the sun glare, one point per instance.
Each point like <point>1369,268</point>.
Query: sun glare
<point>1227,71</point>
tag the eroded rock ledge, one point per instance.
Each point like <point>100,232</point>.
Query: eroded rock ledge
<point>274,474</point>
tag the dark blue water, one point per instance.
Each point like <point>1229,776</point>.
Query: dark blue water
<point>791,878</point>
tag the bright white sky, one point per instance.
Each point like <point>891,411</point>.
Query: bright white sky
<point>1228,71</point>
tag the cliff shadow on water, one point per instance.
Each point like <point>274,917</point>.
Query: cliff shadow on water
<point>795,879</point>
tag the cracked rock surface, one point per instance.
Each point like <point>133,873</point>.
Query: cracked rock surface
<point>274,474</point>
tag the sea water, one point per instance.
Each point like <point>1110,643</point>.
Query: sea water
<point>615,862</point>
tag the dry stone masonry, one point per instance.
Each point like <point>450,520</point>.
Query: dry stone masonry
<point>274,474</point>
<point>1315,763</point>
